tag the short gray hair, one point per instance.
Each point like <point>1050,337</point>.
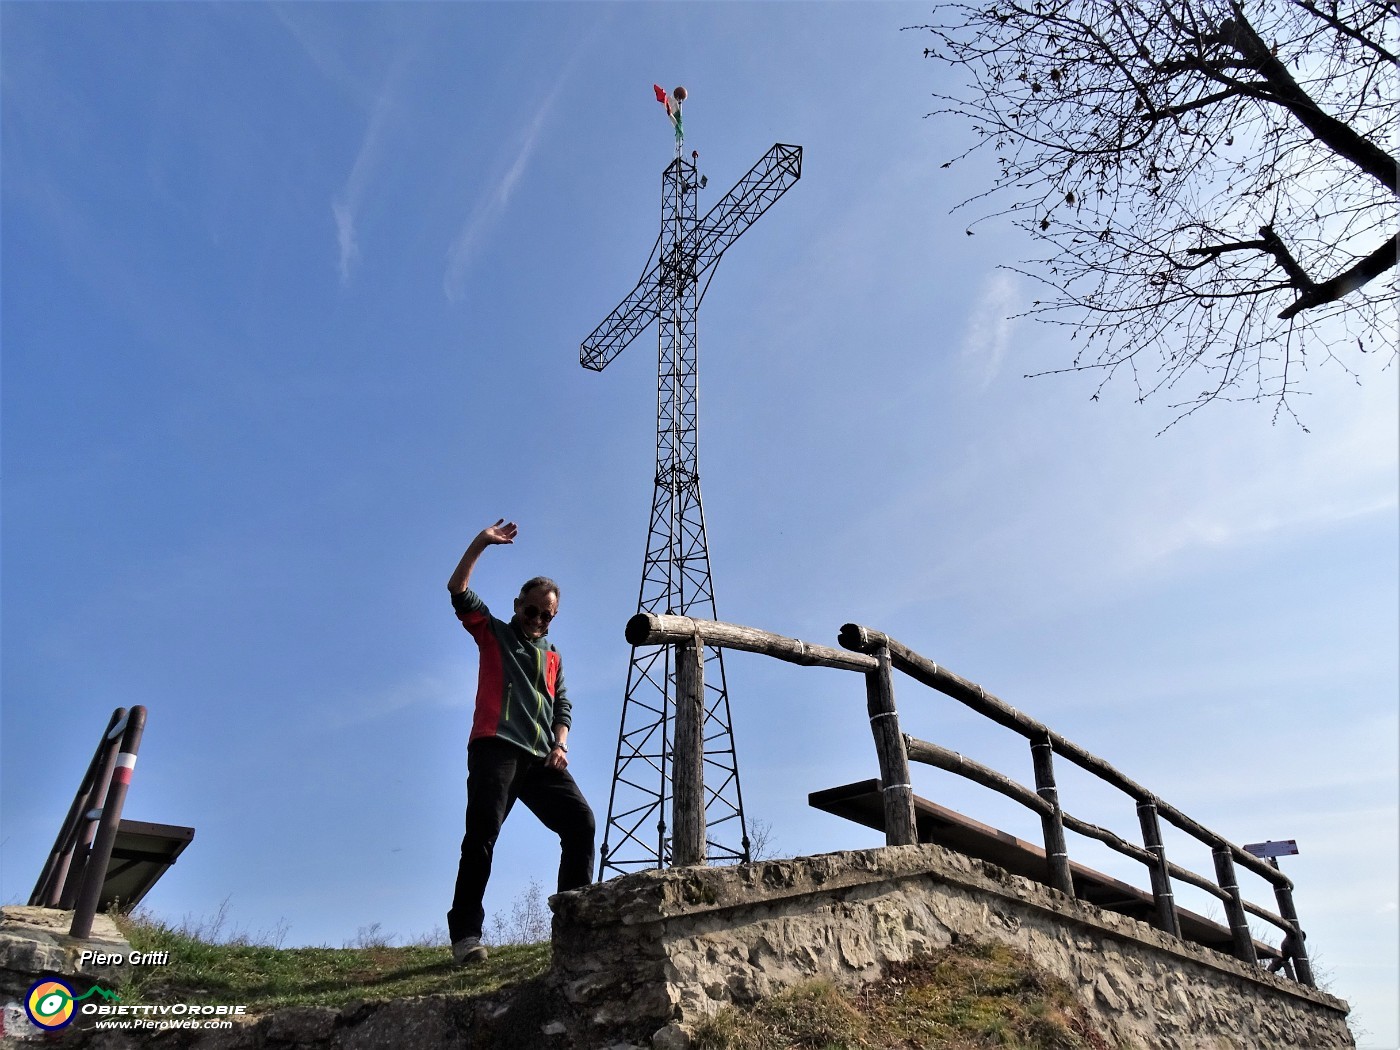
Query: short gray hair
<point>537,582</point>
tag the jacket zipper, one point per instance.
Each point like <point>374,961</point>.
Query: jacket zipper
<point>539,697</point>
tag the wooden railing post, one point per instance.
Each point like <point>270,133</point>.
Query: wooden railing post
<point>1234,905</point>
<point>688,760</point>
<point>1052,823</point>
<point>1293,948</point>
<point>900,827</point>
<point>1167,919</point>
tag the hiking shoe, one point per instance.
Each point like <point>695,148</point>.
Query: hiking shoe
<point>468,950</point>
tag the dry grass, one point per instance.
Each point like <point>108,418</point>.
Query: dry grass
<point>967,997</point>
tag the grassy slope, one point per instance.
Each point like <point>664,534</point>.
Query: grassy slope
<point>263,977</point>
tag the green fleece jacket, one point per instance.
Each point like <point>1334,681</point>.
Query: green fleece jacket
<point>520,694</point>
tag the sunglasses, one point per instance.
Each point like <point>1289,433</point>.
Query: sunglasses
<point>534,612</point>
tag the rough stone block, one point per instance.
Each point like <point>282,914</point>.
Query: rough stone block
<point>34,942</point>
<point>713,936</point>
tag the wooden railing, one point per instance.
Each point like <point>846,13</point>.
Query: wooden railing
<point>876,655</point>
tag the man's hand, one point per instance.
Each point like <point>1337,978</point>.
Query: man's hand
<point>501,532</point>
<point>558,757</point>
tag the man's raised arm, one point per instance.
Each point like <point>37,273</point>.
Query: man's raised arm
<point>501,532</point>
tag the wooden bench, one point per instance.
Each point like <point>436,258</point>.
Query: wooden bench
<point>863,803</point>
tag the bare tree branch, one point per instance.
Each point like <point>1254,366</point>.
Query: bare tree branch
<point>1356,34</point>
<point>1349,280</point>
<point>1214,181</point>
<point>1333,133</point>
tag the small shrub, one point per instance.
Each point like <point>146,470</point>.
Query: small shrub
<point>371,936</point>
<point>530,920</point>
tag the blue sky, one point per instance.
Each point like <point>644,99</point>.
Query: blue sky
<point>292,299</point>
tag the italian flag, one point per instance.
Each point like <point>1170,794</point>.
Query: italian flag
<point>673,109</point>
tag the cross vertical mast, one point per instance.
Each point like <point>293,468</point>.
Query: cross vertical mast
<point>676,569</point>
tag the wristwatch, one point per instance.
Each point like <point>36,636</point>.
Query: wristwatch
<point>562,747</point>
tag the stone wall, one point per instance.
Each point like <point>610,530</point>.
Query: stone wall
<point>669,947</point>
<point>35,941</point>
<point>639,959</point>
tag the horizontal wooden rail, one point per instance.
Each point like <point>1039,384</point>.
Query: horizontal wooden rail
<point>663,629</point>
<point>1108,838</point>
<point>865,639</point>
<point>1269,917</point>
<point>953,762</point>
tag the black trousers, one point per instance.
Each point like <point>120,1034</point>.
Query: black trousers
<point>498,773</point>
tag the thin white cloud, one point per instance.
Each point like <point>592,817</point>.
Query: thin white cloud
<point>1126,509</point>
<point>326,60</point>
<point>345,238</point>
<point>345,208</point>
<point>442,690</point>
<point>492,205</point>
<point>1348,472</point>
<point>989,329</point>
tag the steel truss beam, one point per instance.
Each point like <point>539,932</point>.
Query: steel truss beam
<point>676,569</point>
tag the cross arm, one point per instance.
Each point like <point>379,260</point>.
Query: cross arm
<point>624,324</point>
<point>775,173</point>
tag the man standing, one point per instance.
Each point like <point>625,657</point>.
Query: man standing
<point>519,741</point>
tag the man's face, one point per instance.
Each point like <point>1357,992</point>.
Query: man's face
<point>535,609</point>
